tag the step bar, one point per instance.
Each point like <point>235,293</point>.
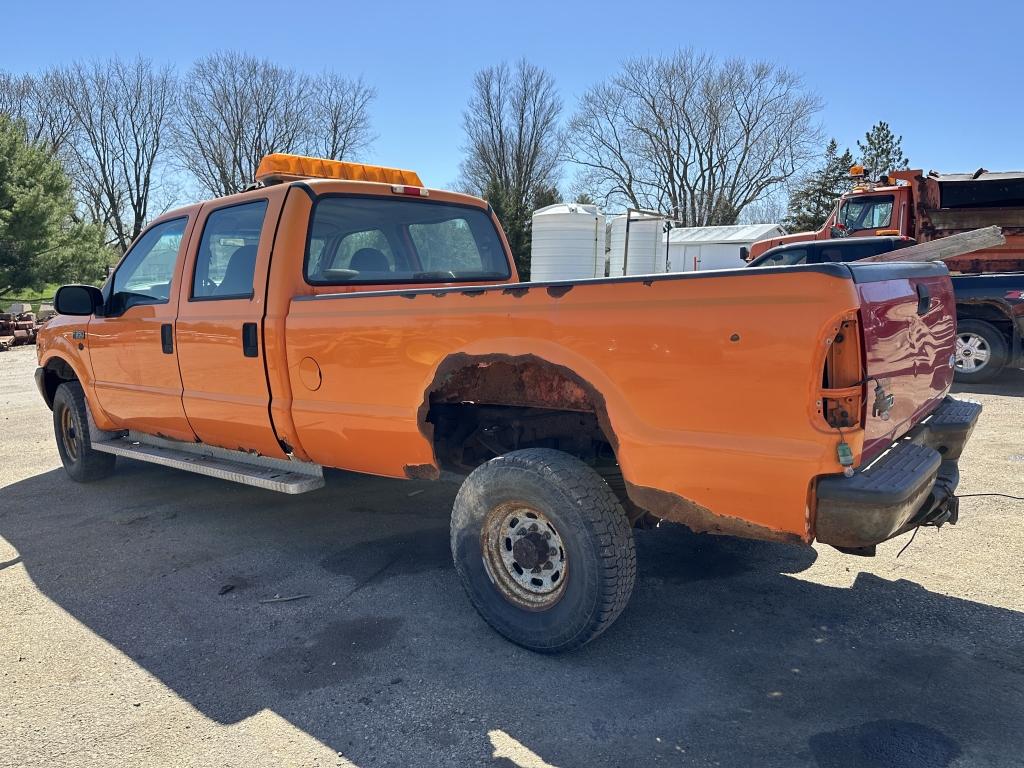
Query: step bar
<point>281,475</point>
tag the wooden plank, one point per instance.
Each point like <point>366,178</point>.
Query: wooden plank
<point>945,247</point>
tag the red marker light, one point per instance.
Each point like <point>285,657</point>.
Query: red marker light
<point>401,189</point>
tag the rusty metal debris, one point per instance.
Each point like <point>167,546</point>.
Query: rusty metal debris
<point>19,324</point>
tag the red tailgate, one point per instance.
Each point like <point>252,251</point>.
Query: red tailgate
<point>908,318</point>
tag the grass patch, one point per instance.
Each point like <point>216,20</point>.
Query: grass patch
<point>35,298</point>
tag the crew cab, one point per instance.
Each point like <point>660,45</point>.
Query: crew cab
<point>339,315</point>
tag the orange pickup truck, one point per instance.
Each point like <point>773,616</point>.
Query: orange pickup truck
<point>338,315</point>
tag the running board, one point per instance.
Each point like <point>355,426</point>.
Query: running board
<point>272,474</point>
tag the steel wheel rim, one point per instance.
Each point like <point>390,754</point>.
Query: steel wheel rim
<point>524,555</point>
<point>68,433</point>
<point>972,352</point>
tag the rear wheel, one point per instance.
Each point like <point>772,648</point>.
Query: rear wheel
<point>71,428</point>
<point>981,351</point>
<point>543,548</point>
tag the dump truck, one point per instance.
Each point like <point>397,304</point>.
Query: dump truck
<point>926,207</point>
<point>343,315</point>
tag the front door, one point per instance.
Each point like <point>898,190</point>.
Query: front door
<point>219,333</point>
<point>131,346</point>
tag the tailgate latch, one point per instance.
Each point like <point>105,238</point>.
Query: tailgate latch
<point>883,402</point>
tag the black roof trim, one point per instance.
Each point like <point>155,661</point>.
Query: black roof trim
<point>831,269</point>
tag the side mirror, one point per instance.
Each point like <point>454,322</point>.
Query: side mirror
<point>77,300</point>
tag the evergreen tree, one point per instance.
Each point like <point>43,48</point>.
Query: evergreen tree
<point>816,195</point>
<point>40,242</point>
<point>881,151</point>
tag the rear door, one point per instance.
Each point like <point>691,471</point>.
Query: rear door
<point>219,334</point>
<point>908,318</point>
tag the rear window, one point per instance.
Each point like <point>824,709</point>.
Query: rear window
<point>851,251</point>
<point>386,240</point>
<point>782,258</point>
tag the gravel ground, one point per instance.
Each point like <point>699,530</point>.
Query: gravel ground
<point>132,630</point>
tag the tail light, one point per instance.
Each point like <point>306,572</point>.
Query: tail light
<point>842,394</point>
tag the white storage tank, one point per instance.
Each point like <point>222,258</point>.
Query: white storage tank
<point>568,242</point>
<point>646,254</point>
<point>723,247</point>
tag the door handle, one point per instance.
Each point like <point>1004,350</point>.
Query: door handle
<point>924,299</point>
<point>167,338</point>
<point>250,340</point>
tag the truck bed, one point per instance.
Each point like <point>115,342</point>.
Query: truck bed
<point>679,363</point>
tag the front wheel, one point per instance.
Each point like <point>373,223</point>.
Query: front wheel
<point>71,428</point>
<point>981,351</point>
<point>543,548</point>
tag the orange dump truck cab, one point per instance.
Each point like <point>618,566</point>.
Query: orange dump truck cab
<point>345,316</point>
<point>927,207</point>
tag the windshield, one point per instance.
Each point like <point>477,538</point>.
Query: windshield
<point>387,240</point>
<point>866,212</point>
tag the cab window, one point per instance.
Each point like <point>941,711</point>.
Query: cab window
<point>784,258</point>
<point>226,259</point>
<point>366,251</point>
<point>866,213</point>
<point>146,273</point>
<point>849,252</point>
<point>387,240</point>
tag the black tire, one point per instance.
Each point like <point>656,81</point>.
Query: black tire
<point>993,340</point>
<point>71,428</point>
<point>599,554</point>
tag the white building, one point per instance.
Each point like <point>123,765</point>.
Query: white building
<point>700,248</point>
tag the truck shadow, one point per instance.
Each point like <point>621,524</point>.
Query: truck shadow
<point>723,656</point>
<point>1009,382</point>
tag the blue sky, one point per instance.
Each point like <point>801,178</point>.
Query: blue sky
<point>949,76</point>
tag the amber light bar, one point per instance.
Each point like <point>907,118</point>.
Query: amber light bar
<point>280,167</point>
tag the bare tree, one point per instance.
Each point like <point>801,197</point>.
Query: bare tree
<point>339,116</point>
<point>689,135</point>
<point>511,126</point>
<point>29,99</point>
<point>512,147</point>
<point>121,113</point>
<point>770,209</point>
<point>15,91</point>
<point>235,109</point>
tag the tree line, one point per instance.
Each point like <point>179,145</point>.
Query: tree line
<point>703,140</point>
<point>127,133</point>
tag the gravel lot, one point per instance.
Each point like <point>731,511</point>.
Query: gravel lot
<point>132,632</point>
